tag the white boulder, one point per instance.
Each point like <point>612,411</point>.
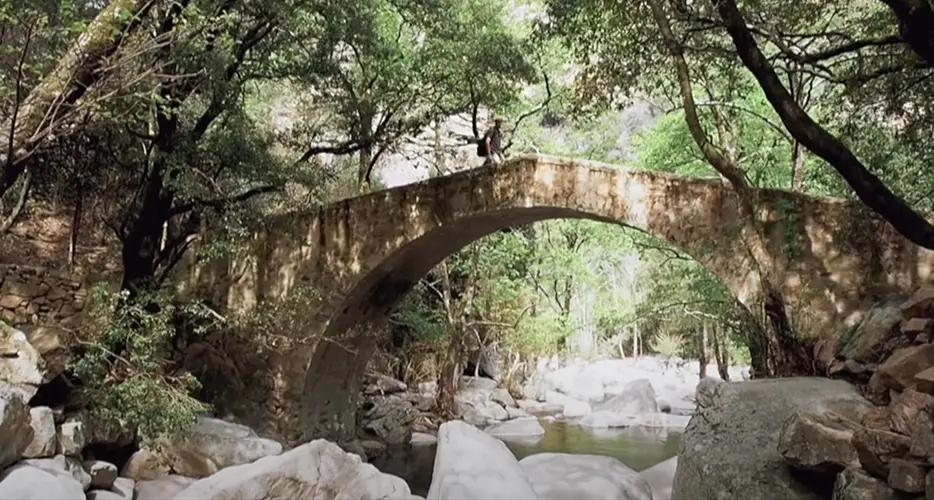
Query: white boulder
<point>213,444</point>
<point>25,482</point>
<point>471,464</point>
<point>584,477</point>
<point>318,469</point>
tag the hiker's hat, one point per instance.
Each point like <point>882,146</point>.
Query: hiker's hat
<point>497,118</point>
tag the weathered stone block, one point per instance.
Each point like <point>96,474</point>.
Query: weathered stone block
<point>72,437</point>
<point>877,448</point>
<point>924,381</point>
<point>921,303</point>
<point>15,431</point>
<point>905,408</point>
<point>144,465</point>
<point>877,418</point>
<point>907,476</point>
<point>854,484</point>
<point>103,474</point>
<point>818,442</point>
<point>898,372</point>
<point>922,441</point>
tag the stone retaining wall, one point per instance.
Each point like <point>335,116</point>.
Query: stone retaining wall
<point>37,296</point>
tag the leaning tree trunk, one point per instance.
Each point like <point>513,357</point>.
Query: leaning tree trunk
<point>80,68</point>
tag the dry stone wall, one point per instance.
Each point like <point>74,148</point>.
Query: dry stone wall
<point>38,296</point>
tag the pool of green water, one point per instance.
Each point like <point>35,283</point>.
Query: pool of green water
<point>638,448</point>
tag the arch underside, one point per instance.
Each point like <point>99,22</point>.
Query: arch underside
<point>842,261</point>
<point>333,381</point>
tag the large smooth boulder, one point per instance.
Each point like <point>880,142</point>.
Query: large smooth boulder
<point>212,445</point>
<point>571,408</point>
<point>636,398</point>
<point>161,487</point>
<point>318,469</point>
<point>63,466</point>
<point>539,409</point>
<point>522,429</point>
<point>564,476</point>
<point>730,447</point>
<point>577,382</point>
<point>15,425</point>
<point>660,477</point>
<point>44,439</point>
<point>25,482</point>
<point>472,464</point>
<point>21,366</point>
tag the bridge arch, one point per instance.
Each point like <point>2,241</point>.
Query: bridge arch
<point>426,222</point>
<point>364,253</point>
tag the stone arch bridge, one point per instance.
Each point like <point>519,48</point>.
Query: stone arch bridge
<point>834,259</point>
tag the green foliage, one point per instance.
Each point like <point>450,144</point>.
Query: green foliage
<point>668,345</point>
<point>125,370</point>
<point>285,322</point>
<point>792,244</point>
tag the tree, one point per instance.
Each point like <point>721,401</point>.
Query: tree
<point>384,71</point>
<point>42,105</point>
<point>816,138</point>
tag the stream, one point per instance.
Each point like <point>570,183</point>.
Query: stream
<point>638,448</point>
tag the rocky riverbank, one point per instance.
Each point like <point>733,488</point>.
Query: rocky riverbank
<point>43,458</point>
<point>646,392</point>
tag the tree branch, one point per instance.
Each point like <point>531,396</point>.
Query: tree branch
<point>916,25</point>
<point>720,163</point>
<point>219,203</point>
<point>537,109</point>
<point>867,186</point>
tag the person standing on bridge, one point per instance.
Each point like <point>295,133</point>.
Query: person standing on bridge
<point>494,140</point>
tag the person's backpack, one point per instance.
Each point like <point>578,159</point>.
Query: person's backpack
<point>481,147</point>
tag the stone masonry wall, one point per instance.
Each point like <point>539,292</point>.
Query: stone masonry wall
<point>37,296</point>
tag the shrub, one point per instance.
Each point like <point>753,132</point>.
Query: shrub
<point>123,364</point>
<point>668,345</point>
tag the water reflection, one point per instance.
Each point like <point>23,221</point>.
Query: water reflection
<point>638,448</point>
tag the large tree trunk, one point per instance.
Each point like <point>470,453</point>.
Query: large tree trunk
<point>774,348</point>
<point>915,19</point>
<point>141,244</point>
<point>768,308</point>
